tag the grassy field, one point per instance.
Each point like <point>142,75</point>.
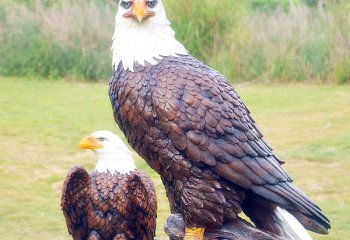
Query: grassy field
<point>41,123</point>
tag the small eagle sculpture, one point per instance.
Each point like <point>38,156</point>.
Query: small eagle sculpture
<point>190,125</point>
<point>115,201</point>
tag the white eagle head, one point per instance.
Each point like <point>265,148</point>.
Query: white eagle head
<point>143,34</point>
<point>113,155</point>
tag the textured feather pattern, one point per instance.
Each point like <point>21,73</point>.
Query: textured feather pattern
<point>106,206</point>
<point>190,125</point>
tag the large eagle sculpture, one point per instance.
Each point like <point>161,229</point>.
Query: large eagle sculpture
<point>190,125</point>
<point>115,201</point>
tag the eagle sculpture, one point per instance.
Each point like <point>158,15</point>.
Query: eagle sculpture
<point>115,201</point>
<point>191,126</point>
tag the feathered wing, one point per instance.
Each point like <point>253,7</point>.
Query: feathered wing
<point>213,126</point>
<point>144,203</point>
<point>74,201</point>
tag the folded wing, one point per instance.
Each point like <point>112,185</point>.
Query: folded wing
<point>212,126</point>
<point>144,204</point>
<point>74,199</point>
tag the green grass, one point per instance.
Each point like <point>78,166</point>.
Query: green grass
<point>41,123</point>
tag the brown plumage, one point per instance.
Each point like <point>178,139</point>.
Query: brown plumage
<point>105,205</point>
<point>191,126</point>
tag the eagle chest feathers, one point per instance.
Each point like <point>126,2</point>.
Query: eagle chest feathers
<point>148,104</point>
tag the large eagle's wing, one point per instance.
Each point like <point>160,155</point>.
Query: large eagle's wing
<point>75,192</point>
<point>144,204</point>
<point>207,121</point>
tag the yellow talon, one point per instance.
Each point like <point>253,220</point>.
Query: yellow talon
<point>194,233</point>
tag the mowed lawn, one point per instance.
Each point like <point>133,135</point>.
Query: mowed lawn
<point>41,123</point>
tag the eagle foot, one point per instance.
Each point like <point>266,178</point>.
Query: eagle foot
<point>194,233</point>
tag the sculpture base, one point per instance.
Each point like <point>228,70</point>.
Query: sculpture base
<point>236,230</point>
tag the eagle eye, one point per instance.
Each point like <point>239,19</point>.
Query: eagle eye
<point>125,4</point>
<point>101,139</point>
<point>151,4</point>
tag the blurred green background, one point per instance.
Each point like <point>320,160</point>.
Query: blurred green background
<point>265,40</point>
<point>290,61</point>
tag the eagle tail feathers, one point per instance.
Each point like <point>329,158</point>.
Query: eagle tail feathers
<point>290,226</point>
<point>284,223</point>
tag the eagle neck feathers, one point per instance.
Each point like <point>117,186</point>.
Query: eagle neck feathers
<point>122,163</point>
<point>144,43</point>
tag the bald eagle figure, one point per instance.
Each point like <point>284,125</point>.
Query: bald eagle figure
<point>115,201</point>
<point>190,125</point>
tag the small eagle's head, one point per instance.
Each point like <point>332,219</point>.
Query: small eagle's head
<point>104,142</point>
<point>113,155</point>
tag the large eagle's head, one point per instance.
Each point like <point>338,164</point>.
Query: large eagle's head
<point>143,34</point>
<point>141,11</point>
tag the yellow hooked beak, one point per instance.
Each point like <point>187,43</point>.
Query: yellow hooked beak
<point>90,142</point>
<point>140,10</point>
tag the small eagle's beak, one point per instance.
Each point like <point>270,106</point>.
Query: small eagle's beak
<point>90,142</point>
<point>140,10</point>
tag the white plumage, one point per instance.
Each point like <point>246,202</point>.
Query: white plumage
<point>115,156</point>
<point>144,42</point>
<point>291,227</point>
